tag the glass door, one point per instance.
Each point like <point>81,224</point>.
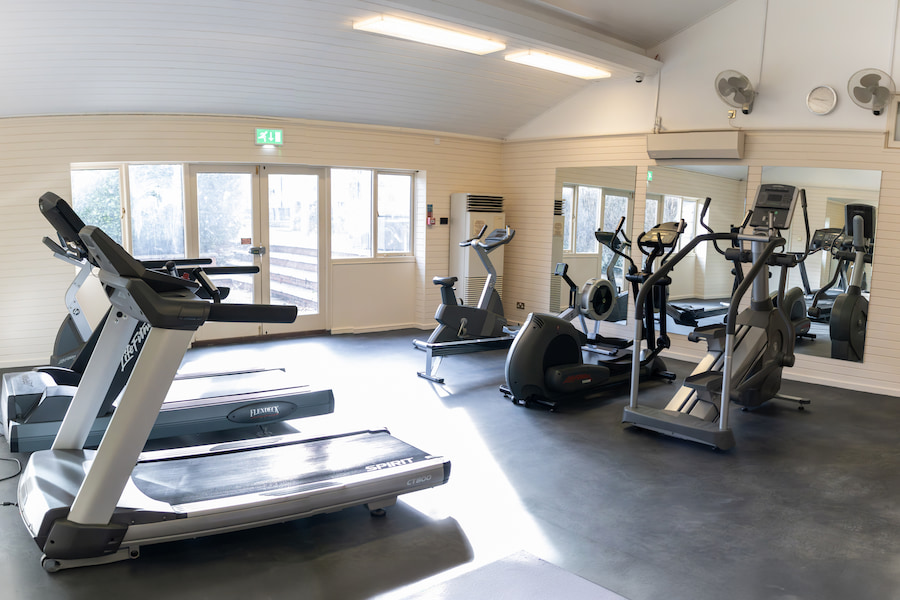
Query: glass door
<point>270,217</point>
<point>225,227</point>
<point>295,257</point>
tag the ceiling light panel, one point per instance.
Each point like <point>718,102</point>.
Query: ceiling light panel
<point>549,62</point>
<point>429,34</point>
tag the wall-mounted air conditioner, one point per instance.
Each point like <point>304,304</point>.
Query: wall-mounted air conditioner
<point>698,144</point>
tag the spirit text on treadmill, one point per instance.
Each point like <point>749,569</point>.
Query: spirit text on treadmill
<point>389,464</point>
<point>134,346</point>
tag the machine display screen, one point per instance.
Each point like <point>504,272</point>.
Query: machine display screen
<point>776,200</point>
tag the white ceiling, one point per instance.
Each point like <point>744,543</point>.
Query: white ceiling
<point>302,59</point>
<point>645,23</point>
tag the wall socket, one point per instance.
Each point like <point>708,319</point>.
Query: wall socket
<point>520,305</point>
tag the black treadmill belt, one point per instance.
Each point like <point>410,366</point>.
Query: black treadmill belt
<point>274,469</point>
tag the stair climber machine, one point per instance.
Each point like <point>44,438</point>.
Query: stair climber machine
<point>748,352</point>
<point>850,311</point>
<point>464,329</point>
<point>545,364</point>
<point>86,507</point>
<point>33,403</point>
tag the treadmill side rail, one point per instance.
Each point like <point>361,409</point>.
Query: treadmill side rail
<point>152,511</point>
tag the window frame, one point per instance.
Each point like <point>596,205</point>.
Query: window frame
<point>374,253</point>
<point>125,209</point>
<point>571,220</point>
<point>410,236</point>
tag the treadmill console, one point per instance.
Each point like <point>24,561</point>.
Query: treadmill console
<point>823,239</point>
<point>777,200</point>
<point>664,235</point>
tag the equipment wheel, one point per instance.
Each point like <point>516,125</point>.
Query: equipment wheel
<point>51,565</point>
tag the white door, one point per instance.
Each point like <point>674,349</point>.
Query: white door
<point>293,226</point>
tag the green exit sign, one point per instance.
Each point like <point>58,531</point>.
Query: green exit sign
<point>272,137</point>
<point>649,175</point>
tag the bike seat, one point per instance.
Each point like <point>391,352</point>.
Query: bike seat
<point>444,281</point>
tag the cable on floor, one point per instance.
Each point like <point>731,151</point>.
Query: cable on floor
<point>18,468</point>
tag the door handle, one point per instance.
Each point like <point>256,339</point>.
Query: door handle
<point>259,250</point>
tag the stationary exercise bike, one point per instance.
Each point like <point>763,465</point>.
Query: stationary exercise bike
<point>463,329</point>
<point>850,311</point>
<point>459,322</point>
<point>545,364</point>
<point>747,353</point>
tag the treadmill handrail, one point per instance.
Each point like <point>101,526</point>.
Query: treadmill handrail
<point>162,300</point>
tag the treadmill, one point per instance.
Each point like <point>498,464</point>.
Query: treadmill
<point>86,507</point>
<point>33,403</point>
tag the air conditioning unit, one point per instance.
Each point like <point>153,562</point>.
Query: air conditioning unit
<point>468,213</point>
<point>698,144</point>
<point>556,257</point>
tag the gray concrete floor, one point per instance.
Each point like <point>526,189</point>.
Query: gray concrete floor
<point>805,507</point>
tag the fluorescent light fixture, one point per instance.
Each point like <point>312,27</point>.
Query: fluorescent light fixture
<point>542,60</point>
<point>429,34</point>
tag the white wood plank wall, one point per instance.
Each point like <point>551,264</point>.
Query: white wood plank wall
<point>36,154</point>
<point>529,169</point>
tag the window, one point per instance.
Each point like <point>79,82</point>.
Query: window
<point>587,218</point>
<point>351,213</point>
<point>157,211</point>
<point>142,206</point>
<point>587,208</point>
<point>394,204</point>
<point>97,198</point>
<point>155,206</point>
<point>357,194</point>
<point>651,214</point>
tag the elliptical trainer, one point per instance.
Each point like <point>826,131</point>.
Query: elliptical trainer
<point>850,311</point>
<point>748,352</point>
<point>545,364</point>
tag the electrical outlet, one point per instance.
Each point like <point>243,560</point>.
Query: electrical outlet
<point>520,305</point>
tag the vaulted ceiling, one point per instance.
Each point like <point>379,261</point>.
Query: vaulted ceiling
<point>302,58</point>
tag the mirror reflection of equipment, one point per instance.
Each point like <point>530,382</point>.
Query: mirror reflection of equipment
<point>850,312</point>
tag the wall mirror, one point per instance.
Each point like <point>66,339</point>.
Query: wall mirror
<point>587,199</point>
<point>702,283</point>
<point>828,192</point>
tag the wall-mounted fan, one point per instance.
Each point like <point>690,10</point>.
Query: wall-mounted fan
<point>871,89</point>
<point>735,90</point>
